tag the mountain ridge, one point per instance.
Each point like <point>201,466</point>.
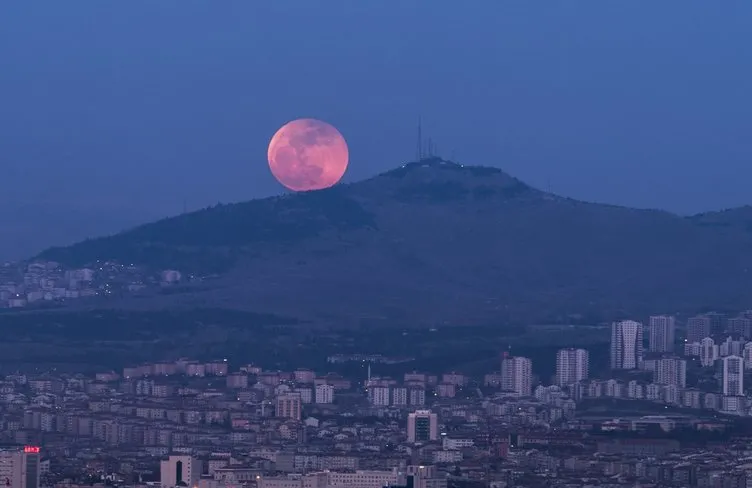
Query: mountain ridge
<point>438,242</point>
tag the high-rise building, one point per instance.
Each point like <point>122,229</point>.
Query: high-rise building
<point>698,328</point>
<point>177,471</point>
<point>416,396</point>
<point>661,332</point>
<point>572,366</point>
<point>324,394</point>
<point>747,355</point>
<point>730,347</point>
<point>289,405</point>
<point>399,396</point>
<point>380,395</point>
<point>741,326</point>
<point>422,426</point>
<point>708,352</point>
<point>626,344</point>
<point>733,376</point>
<point>671,371</point>
<point>717,322</point>
<point>20,468</point>
<point>517,375</point>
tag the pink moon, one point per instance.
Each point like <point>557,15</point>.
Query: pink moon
<point>308,154</point>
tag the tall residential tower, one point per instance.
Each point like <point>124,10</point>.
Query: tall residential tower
<point>572,366</point>
<point>517,375</point>
<point>626,344</point>
<point>661,333</point>
<point>733,376</point>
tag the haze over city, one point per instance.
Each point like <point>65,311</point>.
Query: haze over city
<point>116,114</point>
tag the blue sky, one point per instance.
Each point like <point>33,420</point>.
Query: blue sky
<point>114,113</point>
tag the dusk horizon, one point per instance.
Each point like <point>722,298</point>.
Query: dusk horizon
<point>597,102</point>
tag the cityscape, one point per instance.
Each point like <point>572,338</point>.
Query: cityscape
<point>670,409</point>
<point>48,283</point>
<point>372,244</point>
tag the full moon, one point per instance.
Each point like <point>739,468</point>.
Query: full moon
<point>308,154</point>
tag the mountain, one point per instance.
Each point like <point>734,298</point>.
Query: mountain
<point>434,242</point>
<point>29,227</point>
<point>739,218</point>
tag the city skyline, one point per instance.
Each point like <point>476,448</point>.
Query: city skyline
<point>357,244</point>
<point>165,406</point>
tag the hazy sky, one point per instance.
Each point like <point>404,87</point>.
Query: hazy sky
<point>113,113</point>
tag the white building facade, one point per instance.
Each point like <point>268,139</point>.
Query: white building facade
<point>626,345</point>
<point>572,366</point>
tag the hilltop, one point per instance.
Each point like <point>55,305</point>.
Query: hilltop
<point>435,242</point>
